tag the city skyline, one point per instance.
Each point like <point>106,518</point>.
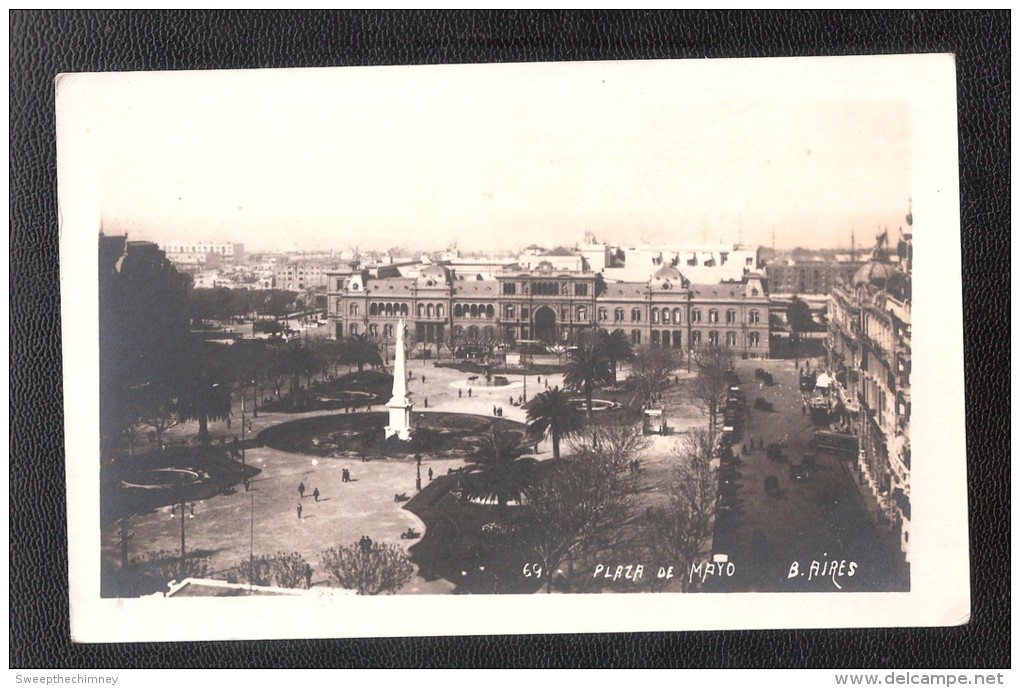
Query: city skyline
<point>494,157</point>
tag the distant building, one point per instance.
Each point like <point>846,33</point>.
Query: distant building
<point>701,263</point>
<point>204,253</point>
<point>869,352</point>
<point>302,275</point>
<point>815,275</point>
<point>553,305</point>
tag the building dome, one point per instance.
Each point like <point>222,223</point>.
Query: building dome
<point>433,275</point>
<point>667,277</point>
<point>873,272</point>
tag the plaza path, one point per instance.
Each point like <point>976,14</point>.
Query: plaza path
<point>222,526</point>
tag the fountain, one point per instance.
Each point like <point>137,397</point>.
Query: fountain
<point>399,404</point>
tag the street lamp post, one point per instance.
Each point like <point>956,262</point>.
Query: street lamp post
<point>417,454</point>
<point>244,425</point>
<point>190,514</point>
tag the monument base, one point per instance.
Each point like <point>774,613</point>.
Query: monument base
<point>400,421</point>
<point>400,433</point>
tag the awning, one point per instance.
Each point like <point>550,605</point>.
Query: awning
<point>823,381</point>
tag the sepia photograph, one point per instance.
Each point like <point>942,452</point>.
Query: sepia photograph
<point>558,347</point>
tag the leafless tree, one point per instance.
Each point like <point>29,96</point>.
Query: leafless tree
<point>679,531</point>
<point>288,569</point>
<point>713,381</point>
<point>577,502</point>
<point>614,441</point>
<point>381,569</point>
<point>652,366</point>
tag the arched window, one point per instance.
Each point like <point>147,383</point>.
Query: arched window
<point>354,311</point>
<point>429,311</point>
<point>403,309</point>
<point>373,330</point>
<point>696,315</point>
<point>676,339</point>
<point>389,309</point>
<point>713,315</point>
<point>457,310</point>
<point>421,310</point>
<point>354,328</point>
<point>713,337</point>
<point>655,319</point>
<point>754,339</point>
<point>474,310</point>
<point>490,311</point>
<point>665,316</point>
<point>473,333</point>
<point>731,339</point>
<point>696,338</point>
<point>731,316</point>
<point>582,313</point>
<point>603,314</point>
<point>655,337</point>
<point>676,315</point>
<point>618,315</point>
<point>440,311</point>
<point>387,330</point>
<point>753,317</point>
<point>635,315</point>
<point>635,336</point>
<point>373,308</point>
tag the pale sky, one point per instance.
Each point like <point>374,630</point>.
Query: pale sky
<point>501,156</point>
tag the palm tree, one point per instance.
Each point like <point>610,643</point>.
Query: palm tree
<point>553,414</point>
<point>360,350</point>
<point>203,396</point>
<point>587,366</point>
<point>617,348</point>
<point>498,469</point>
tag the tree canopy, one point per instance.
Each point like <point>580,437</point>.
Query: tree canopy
<point>498,469</point>
<point>587,366</point>
<point>553,414</point>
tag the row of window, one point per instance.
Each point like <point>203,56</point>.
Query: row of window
<point>674,338</point>
<point>666,315</point>
<point>546,288</point>
<point>510,312</point>
<point>663,315</point>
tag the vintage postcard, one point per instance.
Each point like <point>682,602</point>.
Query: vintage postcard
<point>520,348</point>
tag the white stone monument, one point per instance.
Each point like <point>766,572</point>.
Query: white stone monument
<point>400,404</point>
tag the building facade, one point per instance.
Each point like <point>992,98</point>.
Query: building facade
<point>553,306</point>
<point>869,352</point>
<point>203,252</point>
<point>809,277</point>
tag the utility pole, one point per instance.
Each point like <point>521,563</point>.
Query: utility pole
<point>251,544</point>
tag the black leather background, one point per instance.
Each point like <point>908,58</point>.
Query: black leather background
<point>44,44</point>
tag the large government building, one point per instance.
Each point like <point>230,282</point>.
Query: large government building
<point>550,304</point>
<point>869,352</point>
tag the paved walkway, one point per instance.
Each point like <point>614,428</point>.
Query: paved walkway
<point>222,526</point>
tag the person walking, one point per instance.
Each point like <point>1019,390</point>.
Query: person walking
<point>315,493</point>
<point>299,511</point>
<point>301,489</point>
<point>430,475</point>
<point>308,575</point>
